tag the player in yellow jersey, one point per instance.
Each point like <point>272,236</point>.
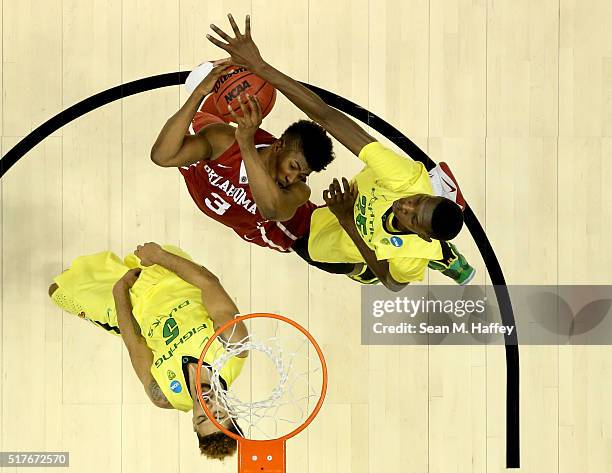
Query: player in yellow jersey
<point>165,307</point>
<point>388,219</point>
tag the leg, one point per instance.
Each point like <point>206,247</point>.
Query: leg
<point>63,301</point>
<point>85,289</point>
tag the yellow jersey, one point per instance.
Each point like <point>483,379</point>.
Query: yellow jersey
<point>169,311</point>
<point>386,177</point>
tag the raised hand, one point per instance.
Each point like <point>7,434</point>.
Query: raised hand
<point>219,67</point>
<point>250,120</point>
<point>148,253</point>
<point>341,200</point>
<point>241,48</point>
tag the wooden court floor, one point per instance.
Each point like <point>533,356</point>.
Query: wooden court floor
<point>516,95</point>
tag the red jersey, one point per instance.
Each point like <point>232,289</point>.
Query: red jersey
<point>221,190</point>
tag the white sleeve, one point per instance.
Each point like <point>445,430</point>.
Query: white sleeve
<point>196,76</point>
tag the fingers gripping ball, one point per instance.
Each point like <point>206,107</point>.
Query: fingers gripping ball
<point>241,81</point>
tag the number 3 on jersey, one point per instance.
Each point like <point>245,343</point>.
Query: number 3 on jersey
<point>218,206</point>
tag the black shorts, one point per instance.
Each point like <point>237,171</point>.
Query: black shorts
<point>301,249</point>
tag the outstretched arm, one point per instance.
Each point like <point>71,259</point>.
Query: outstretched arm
<point>218,303</point>
<point>141,355</point>
<point>341,202</point>
<point>174,147</point>
<point>245,53</point>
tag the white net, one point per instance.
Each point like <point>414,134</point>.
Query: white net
<point>284,385</point>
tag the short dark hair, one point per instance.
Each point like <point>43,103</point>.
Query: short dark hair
<point>312,140</point>
<point>446,220</point>
<point>218,446</point>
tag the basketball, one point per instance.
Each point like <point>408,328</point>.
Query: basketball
<point>241,81</point>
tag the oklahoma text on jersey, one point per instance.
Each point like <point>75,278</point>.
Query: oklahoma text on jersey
<point>221,190</point>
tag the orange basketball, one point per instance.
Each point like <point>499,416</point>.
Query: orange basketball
<point>241,81</point>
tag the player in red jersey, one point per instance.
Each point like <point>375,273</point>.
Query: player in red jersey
<point>262,196</point>
<point>388,219</point>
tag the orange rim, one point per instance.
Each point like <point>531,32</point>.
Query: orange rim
<point>228,324</point>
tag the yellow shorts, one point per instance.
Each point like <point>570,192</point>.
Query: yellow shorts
<point>329,243</point>
<point>86,288</point>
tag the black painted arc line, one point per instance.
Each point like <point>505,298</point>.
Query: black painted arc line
<point>494,269</point>
<point>488,255</point>
<point>85,106</point>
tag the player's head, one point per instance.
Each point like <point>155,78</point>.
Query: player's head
<point>217,445</point>
<point>212,442</point>
<point>303,148</point>
<point>430,217</point>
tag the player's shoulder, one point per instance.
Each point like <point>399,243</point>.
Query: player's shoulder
<point>218,131</point>
<point>301,190</point>
<point>374,147</point>
<point>370,150</point>
<point>220,136</point>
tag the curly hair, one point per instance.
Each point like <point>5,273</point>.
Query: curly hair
<point>217,445</point>
<point>312,140</point>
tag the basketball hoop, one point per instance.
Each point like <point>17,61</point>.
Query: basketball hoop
<point>289,406</point>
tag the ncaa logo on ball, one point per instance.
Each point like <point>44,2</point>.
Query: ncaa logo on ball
<point>396,241</point>
<point>176,387</point>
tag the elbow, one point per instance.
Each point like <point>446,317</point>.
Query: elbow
<point>158,159</point>
<point>207,278</point>
<point>162,403</point>
<point>158,403</point>
<point>393,287</point>
<point>392,284</point>
<point>272,210</point>
<point>276,208</point>
<point>155,158</point>
<point>276,215</point>
<point>271,214</point>
<point>241,332</point>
